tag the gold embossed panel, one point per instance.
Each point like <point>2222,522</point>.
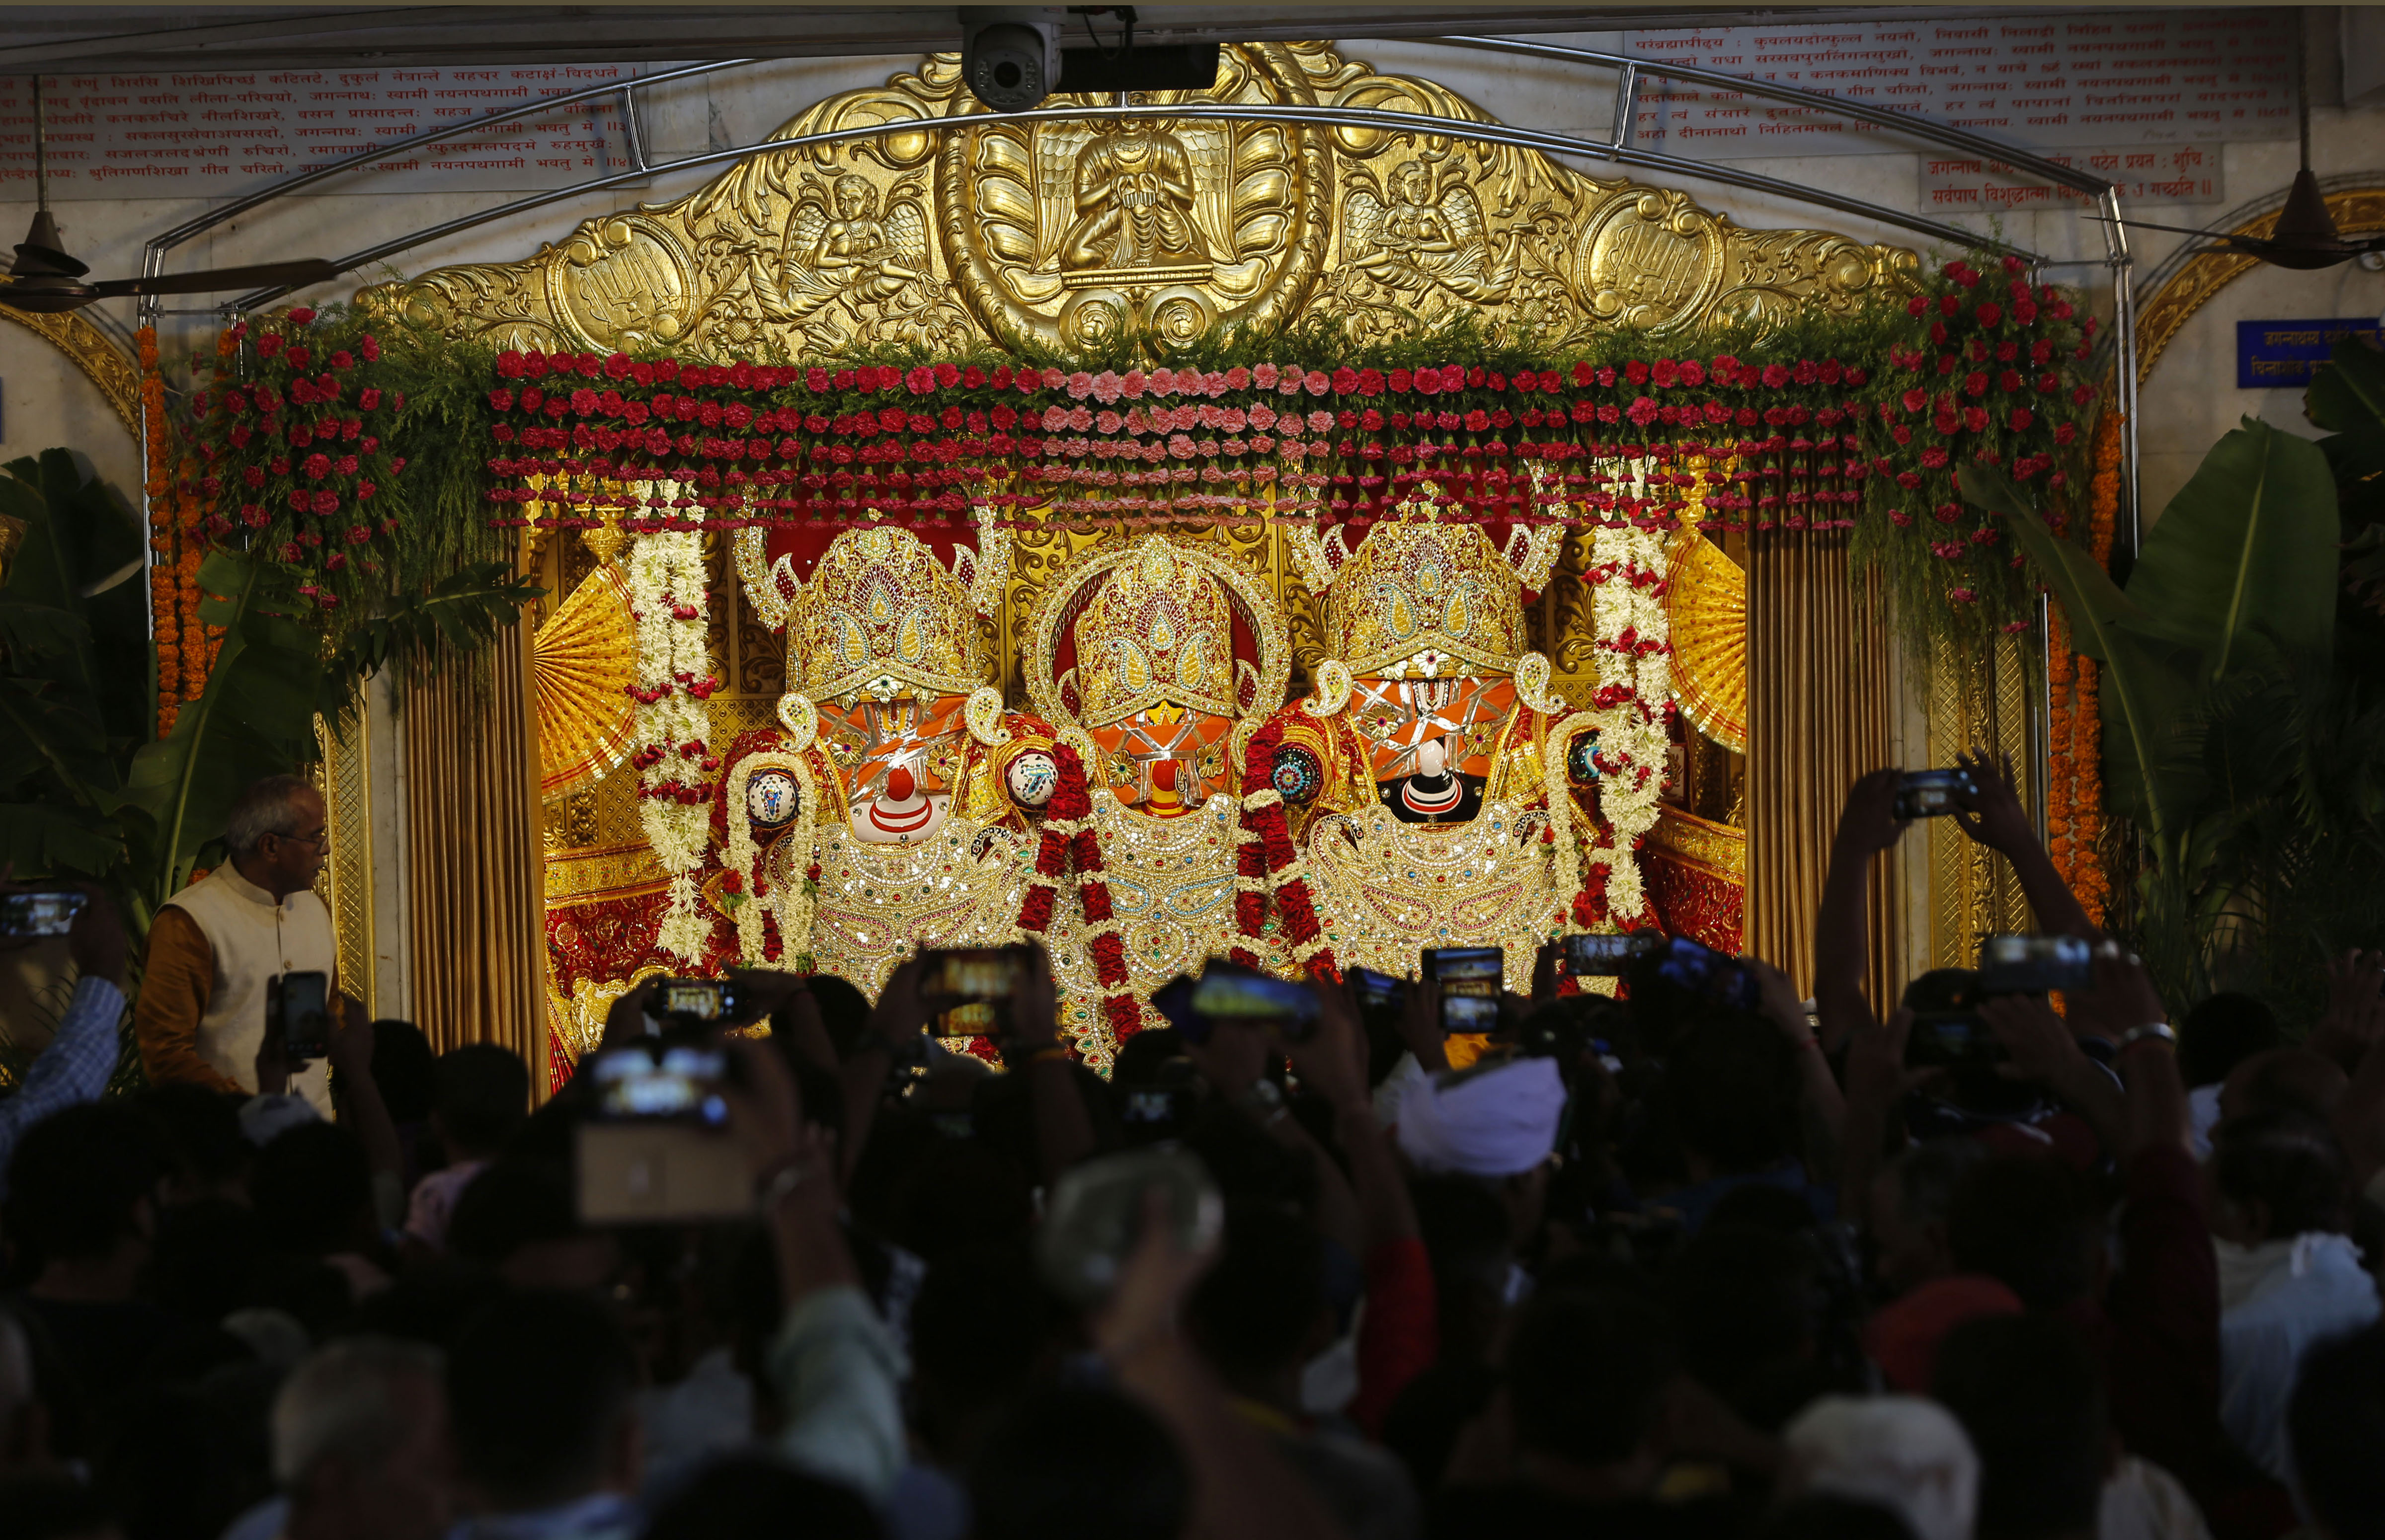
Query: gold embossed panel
<point>957,226</point>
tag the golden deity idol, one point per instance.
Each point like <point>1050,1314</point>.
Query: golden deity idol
<point>916,787</point>
<point>1154,661</point>
<point>1417,779</point>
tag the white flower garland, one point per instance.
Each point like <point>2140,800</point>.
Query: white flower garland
<point>675,760</point>
<point>1633,660</point>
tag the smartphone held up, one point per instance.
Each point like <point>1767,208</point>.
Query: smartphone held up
<point>968,990</point>
<point>1933,793</point>
<point>1470,979</point>
<point>298,1008</point>
<point>38,915</point>
<point>656,1147</point>
<point>1229,992</point>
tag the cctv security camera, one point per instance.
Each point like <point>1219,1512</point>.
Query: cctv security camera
<point>1010,56</point>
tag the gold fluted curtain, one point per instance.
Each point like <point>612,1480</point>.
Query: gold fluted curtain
<point>474,886</point>
<point>1819,716</point>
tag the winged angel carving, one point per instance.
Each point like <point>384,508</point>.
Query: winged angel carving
<point>1423,233</point>
<point>852,269</point>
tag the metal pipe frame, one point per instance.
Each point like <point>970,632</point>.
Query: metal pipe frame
<point>156,248</point>
<point>1959,139</point>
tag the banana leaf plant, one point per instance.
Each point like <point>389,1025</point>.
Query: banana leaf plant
<point>86,787</point>
<point>2225,713</point>
<point>2347,398</point>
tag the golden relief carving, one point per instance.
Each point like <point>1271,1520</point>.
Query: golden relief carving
<point>118,376</point>
<point>958,227</point>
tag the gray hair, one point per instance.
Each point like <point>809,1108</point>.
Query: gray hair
<point>340,1402</point>
<point>267,806</point>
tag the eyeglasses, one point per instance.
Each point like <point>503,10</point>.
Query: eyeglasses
<point>315,839</point>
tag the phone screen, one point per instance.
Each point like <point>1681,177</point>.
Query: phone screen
<point>39,914</point>
<point>979,1018</point>
<point>1378,994</point>
<point>1453,962</point>
<point>1470,1005</point>
<point>1931,793</point>
<point>683,1085</point>
<point>1702,970</point>
<point>1953,1038</point>
<point>973,973</point>
<point>304,1002</point>
<point>2033,965</point>
<point>1252,997</point>
<point>1606,956</point>
<point>696,1000</point>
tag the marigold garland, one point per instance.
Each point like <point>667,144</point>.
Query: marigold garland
<point>2074,816</point>
<point>165,610</point>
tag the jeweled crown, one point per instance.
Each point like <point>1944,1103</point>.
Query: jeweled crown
<point>1417,585</point>
<point>1160,629</point>
<point>881,607</point>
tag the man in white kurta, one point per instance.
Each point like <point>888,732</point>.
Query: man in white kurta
<point>214,944</point>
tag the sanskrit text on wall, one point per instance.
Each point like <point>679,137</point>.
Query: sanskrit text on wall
<point>2056,82</point>
<point>2276,355</point>
<point>167,134</point>
<point>2146,173</point>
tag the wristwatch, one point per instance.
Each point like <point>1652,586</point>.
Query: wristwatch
<point>2150,1032</point>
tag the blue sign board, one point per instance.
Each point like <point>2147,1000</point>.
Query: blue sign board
<point>2274,353</point>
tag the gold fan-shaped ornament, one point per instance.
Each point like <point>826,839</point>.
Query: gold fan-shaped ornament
<point>1706,602</point>
<point>581,662</point>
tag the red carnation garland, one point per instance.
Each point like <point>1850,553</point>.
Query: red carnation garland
<point>1070,845</point>
<point>1267,869</point>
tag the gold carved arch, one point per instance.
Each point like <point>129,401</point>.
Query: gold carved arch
<point>956,227</point>
<point>2356,210</point>
<point>116,376</point>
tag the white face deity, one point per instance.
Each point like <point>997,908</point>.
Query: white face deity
<point>1031,777</point>
<point>772,801</point>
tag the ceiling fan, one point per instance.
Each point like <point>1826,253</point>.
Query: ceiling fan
<point>45,281</point>
<point>2305,237</point>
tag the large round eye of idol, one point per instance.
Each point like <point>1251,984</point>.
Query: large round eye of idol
<point>1031,777</point>
<point>1297,774</point>
<point>1581,759</point>
<point>772,801</point>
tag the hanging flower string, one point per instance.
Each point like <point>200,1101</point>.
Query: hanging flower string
<point>165,607</point>
<point>1069,845</point>
<point>2075,806</point>
<point>674,683</point>
<point>1270,875</point>
<point>1977,366</point>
